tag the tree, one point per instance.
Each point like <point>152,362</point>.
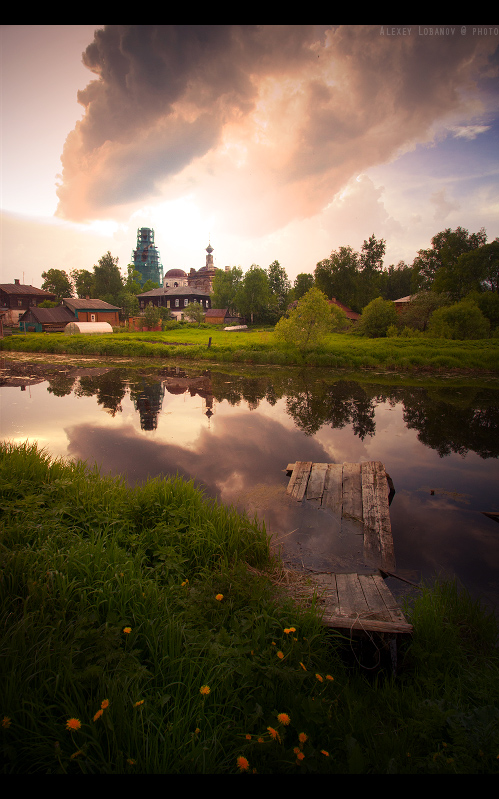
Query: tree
<point>475,270</point>
<point>57,282</point>
<point>279,284</point>
<point>83,282</point>
<point>337,276</point>
<point>303,283</point>
<point>151,316</point>
<point>418,310</point>
<point>377,317</point>
<point>129,304</point>
<point>107,278</point>
<point>253,293</point>
<point>446,247</point>
<point>308,323</point>
<point>372,254</point>
<point>463,320</point>
<point>195,312</point>
<point>133,280</point>
<point>225,286</point>
<point>395,282</point>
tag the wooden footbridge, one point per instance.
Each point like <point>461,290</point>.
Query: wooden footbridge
<point>358,495</point>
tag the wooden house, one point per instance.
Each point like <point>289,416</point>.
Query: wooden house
<point>353,316</point>
<point>45,320</point>
<point>16,298</point>
<point>176,299</point>
<point>88,310</point>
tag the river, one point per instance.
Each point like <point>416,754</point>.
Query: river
<point>234,431</point>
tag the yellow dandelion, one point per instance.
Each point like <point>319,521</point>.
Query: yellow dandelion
<point>319,678</point>
<point>299,756</point>
<point>328,677</point>
<point>130,761</point>
<point>98,714</point>
<point>288,630</point>
<point>296,750</point>
<point>73,724</point>
<point>197,731</point>
<point>280,655</point>
<point>248,736</point>
<point>6,722</point>
<point>184,583</point>
<point>260,741</point>
<point>140,702</point>
<point>219,597</point>
<point>204,690</point>
<point>76,754</point>
<point>127,630</point>
<point>324,752</point>
<point>302,737</point>
<point>303,667</point>
<point>274,734</point>
<point>104,704</point>
<point>283,718</point>
<point>242,763</point>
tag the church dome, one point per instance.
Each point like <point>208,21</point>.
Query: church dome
<point>175,273</point>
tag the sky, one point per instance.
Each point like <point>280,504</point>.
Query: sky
<point>269,142</point>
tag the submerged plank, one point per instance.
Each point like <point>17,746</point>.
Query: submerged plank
<point>378,541</point>
<point>352,491</point>
<point>315,487</point>
<point>332,497</point>
<point>299,479</point>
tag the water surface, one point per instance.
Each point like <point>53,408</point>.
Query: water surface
<point>235,431</point>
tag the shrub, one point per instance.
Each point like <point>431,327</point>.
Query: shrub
<point>377,317</point>
<point>459,321</point>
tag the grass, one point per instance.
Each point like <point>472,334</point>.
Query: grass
<point>259,346</point>
<point>150,630</point>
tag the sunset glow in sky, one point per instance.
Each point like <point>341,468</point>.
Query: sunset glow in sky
<point>272,142</point>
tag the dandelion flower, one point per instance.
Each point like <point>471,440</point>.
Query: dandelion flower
<point>328,677</point>
<point>184,583</point>
<point>127,630</point>
<point>98,714</point>
<point>303,667</point>
<point>6,722</point>
<point>280,655</point>
<point>75,754</point>
<point>104,704</point>
<point>140,702</point>
<point>219,597</point>
<point>319,678</point>
<point>296,750</point>
<point>302,737</point>
<point>73,724</point>
<point>130,761</point>
<point>324,752</point>
<point>242,763</point>
<point>300,756</point>
<point>274,734</point>
<point>283,718</point>
<point>248,736</point>
<point>204,690</point>
<point>288,630</point>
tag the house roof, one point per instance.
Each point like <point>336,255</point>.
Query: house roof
<point>217,312</point>
<point>182,291</point>
<point>89,305</point>
<point>19,288</point>
<point>404,299</point>
<point>49,315</point>
<point>349,313</point>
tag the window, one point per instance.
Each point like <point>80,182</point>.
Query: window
<point>177,303</point>
<point>186,301</point>
<point>92,317</point>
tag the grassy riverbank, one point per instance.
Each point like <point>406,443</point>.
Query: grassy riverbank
<point>259,346</point>
<point>143,630</point>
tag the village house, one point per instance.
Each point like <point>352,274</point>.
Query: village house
<point>45,320</point>
<point>353,316</point>
<point>175,299</point>
<point>16,298</point>
<point>88,310</point>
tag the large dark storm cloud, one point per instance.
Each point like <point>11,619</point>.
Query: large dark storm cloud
<point>284,115</point>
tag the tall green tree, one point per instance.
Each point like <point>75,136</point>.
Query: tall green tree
<point>303,283</point>
<point>108,283</point>
<point>57,282</point>
<point>84,283</point>
<point>446,247</point>
<point>253,293</point>
<point>476,270</point>
<point>337,276</point>
<point>279,285</point>
<point>225,286</point>
<point>377,317</point>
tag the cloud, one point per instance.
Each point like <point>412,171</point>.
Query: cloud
<point>469,131</point>
<point>267,123</point>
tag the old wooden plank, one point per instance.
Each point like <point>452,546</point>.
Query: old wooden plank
<point>315,486</point>
<point>389,600</point>
<point>327,589</point>
<point>298,482</point>
<point>377,607</point>
<point>378,540</point>
<point>352,491</point>
<point>351,599</point>
<point>368,625</point>
<point>332,497</point>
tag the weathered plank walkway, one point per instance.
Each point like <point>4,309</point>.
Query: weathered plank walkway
<point>358,492</point>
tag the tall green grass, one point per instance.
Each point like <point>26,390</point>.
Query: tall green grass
<point>141,632</point>
<point>256,346</point>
